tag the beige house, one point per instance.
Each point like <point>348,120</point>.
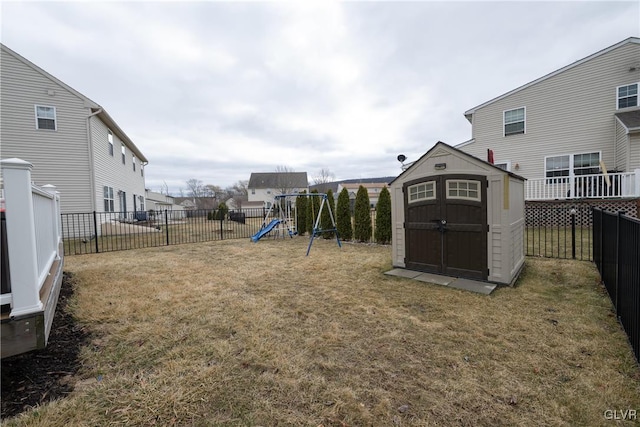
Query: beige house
<point>264,186</point>
<point>70,140</point>
<point>373,190</point>
<point>565,131</point>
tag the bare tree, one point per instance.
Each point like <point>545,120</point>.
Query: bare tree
<point>195,187</point>
<point>239,192</point>
<point>324,176</point>
<point>283,180</point>
<point>164,188</point>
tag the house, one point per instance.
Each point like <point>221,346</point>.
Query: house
<point>573,133</point>
<point>71,141</point>
<point>158,202</point>
<point>373,186</point>
<point>264,186</point>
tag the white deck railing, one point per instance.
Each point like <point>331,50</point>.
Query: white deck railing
<point>597,186</point>
<point>33,231</point>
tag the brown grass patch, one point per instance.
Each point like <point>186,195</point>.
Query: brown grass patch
<point>235,333</point>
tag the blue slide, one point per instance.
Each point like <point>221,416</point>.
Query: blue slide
<point>265,230</point>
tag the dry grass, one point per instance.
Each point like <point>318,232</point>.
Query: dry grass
<point>235,333</point>
<point>556,242</point>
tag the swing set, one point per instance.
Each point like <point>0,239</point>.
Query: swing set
<point>286,222</point>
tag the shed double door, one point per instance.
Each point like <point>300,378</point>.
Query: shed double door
<point>446,225</point>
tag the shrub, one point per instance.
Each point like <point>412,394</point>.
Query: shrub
<point>383,218</point>
<point>326,222</point>
<point>362,216</point>
<point>301,213</point>
<point>313,206</point>
<point>343,216</point>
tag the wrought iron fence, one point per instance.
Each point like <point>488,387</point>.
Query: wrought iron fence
<point>95,232</point>
<point>563,232</point>
<point>616,253</point>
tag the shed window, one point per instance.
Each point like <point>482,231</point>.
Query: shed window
<point>514,121</point>
<point>463,189</point>
<point>46,118</point>
<point>628,96</point>
<point>422,191</point>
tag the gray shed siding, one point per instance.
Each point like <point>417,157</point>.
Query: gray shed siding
<point>109,170</point>
<point>59,157</point>
<point>571,112</point>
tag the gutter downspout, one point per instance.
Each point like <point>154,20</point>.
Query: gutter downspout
<point>92,180</point>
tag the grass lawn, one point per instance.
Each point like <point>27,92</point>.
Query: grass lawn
<point>236,333</point>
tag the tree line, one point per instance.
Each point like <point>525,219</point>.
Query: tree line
<point>355,227</point>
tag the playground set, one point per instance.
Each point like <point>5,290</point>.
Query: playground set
<point>285,222</point>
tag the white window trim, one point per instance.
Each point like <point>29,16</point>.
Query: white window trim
<point>637,97</point>
<point>571,163</point>
<point>506,162</point>
<point>525,121</point>
<point>123,152</point>
<point>422,199</point>
<point>110,140</point>
<point>55,116</point>
<point>133,161</point>
<point>468,181</point>
<point>111,199</point>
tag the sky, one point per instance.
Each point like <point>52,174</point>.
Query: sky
<point>218,90</point>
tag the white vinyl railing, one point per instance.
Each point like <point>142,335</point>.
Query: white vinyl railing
<point>33,232</point>
<point>596,186</point>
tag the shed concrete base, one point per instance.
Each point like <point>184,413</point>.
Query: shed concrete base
<point>483,288</point>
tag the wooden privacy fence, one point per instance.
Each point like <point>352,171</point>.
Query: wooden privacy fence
<point>616,253</point>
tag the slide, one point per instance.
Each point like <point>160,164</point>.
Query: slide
<point>265,230</point>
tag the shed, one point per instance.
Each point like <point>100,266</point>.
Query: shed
<point>457,215</point>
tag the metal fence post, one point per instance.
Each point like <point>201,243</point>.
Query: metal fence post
<point>618,218</point>
<point>221,227</point>
<point>573,233</point>
<point>166,225</point>
<point>95,228</point>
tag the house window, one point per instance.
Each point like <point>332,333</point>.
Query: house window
<point>463,189</point>
<point>110,139</point>
<point>628,96</point>
<point>514,121</point>
<point>141,200</point>
<point>253,191</point>
<point>559,168</point>
<point>108,199</point>
<point>123,154</point>
<point>422,191</point>
<point>141,169</point>
<point>133,162</point>
<point>46,118</point>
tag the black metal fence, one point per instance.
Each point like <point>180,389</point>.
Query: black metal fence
<point>562,232</point>
<point>94,232</point>
<point>616,253</point>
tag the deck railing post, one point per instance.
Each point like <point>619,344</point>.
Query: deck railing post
<point>54,217</point>
<point>636,189</point>
<point>21,237</point>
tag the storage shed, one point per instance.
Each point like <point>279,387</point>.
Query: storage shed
<point>457,215</point>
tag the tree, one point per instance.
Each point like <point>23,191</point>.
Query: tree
<point>313,206</point>
<point>362,216</point>
<point>283,180</point>
<point>383,218</point>
<point>323,177</point>
<point>239,192</point>
<point>164,188</point>
<point>195,187</point>
<point>343,216</point>
<point>325,219</point>
<point>301,213</point>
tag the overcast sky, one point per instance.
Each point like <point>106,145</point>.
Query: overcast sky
<point>217,90</point>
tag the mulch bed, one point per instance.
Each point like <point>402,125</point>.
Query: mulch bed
<point>41,376</point>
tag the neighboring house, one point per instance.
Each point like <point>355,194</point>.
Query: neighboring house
<point>373,190</point>
<point>564,130</point>
<point>71,141</point>
<point>158,202</point>
<point>264,186</point>
<point>193,203</point>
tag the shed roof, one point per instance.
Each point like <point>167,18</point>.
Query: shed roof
<point>278,180</point>
<point>458,152</point>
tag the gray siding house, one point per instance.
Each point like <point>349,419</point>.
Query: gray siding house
<point>565,131</point>
<point>71,141</point>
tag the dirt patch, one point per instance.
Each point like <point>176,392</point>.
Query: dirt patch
<point>44,375</point>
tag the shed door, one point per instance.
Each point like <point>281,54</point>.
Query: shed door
<point>446,225</point>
